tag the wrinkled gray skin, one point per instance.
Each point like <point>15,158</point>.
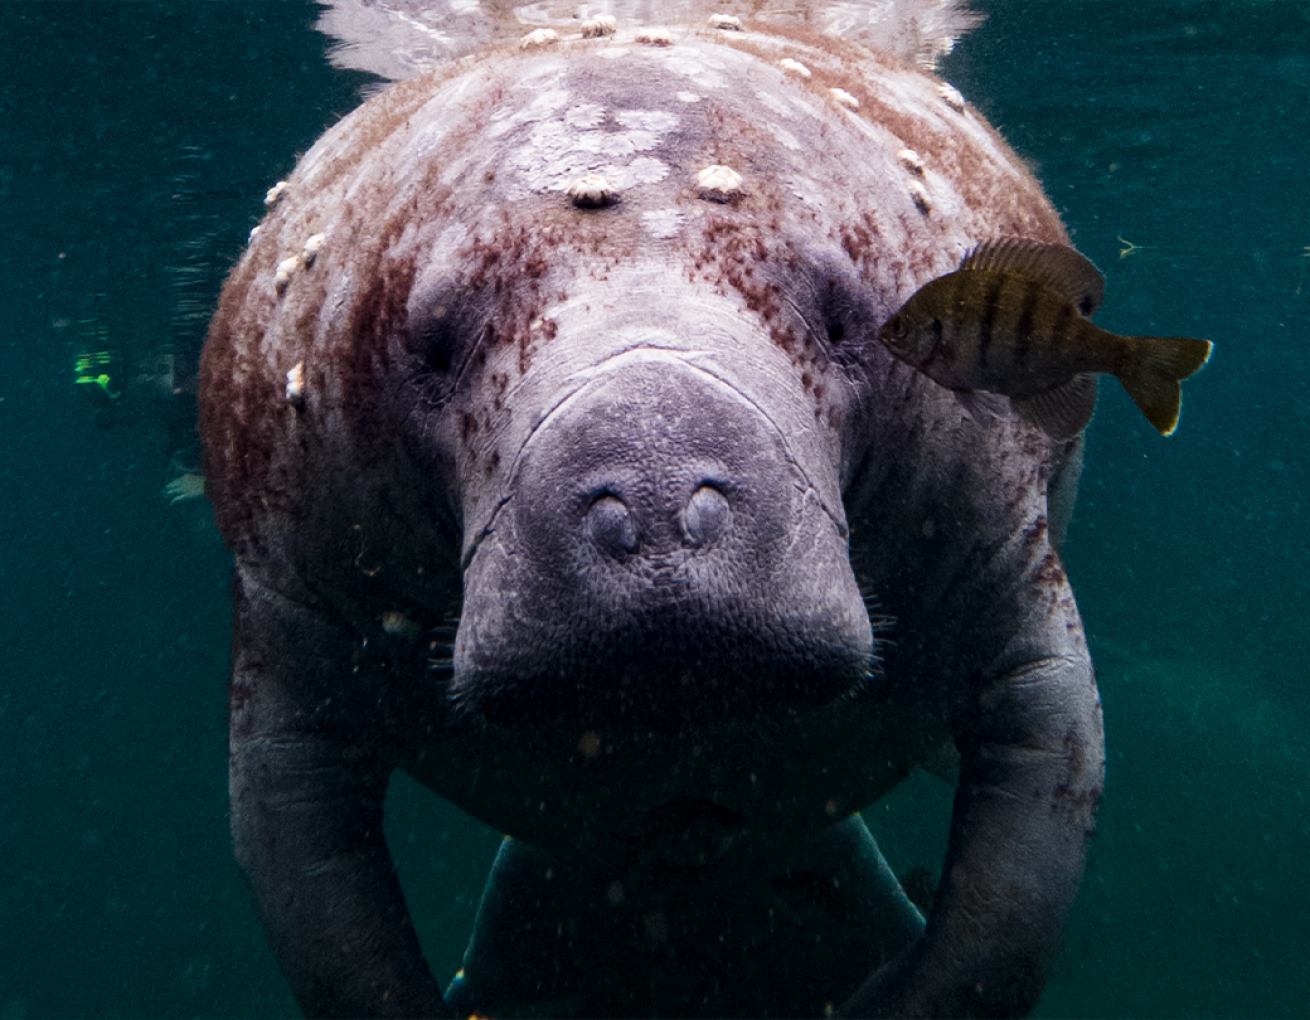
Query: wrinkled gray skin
<point>724,572</point>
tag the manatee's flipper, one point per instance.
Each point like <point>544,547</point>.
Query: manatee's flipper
<point>1158,365</point>
<point>1032,764</point>
<point>307,799</point>
<point>1062,412</point>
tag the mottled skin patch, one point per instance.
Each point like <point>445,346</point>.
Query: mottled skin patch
<point>507,408</point>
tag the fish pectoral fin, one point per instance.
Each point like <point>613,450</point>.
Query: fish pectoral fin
<point>1152,378</point>
<point>1060,267</point>
<point>1062,411</point>
<point>980,405</point>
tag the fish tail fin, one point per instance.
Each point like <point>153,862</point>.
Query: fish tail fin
<point>1158,365</point>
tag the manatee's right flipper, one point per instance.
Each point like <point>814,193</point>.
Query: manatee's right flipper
<point>1028,727</point>
<point>307,789</point>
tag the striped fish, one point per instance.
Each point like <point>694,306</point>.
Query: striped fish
<point>1013,320</point>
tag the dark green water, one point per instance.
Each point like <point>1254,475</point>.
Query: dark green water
<point>136,142</point>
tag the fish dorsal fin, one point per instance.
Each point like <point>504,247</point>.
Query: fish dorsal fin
<point>1056,265</point>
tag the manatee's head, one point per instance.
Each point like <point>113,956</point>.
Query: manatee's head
<point>661,546</point>
<point>646,469</point>
<point>594,327</point>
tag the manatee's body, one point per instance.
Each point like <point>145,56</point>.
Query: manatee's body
<point>648,454</point>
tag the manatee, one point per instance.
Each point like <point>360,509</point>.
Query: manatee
<point>546,419</point>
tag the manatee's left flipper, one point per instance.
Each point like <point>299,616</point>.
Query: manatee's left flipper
<point>307,790</point>
<point>1032,763</point>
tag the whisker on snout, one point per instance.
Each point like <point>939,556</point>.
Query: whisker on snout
<point>441,643</point>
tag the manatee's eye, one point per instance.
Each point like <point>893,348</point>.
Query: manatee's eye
<point>895,328</point>
<point>840,305</point>
<point>433,337</point>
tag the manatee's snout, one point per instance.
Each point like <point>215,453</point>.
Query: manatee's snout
<point>655,471</point>
<point>670,563</point>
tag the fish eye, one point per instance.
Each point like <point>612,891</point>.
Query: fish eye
<point>896,327</point>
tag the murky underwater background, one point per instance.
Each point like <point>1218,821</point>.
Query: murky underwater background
<point>136,142</point>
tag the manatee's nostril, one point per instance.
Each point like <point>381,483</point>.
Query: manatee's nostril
<point>611,526</point>
<point>705,518</point>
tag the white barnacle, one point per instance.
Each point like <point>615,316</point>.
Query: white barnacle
<point>843,98</point>
<point>718,183</point>
<point>295,392</point>
<point>313,245</point>
<point>275,192</point>
<point>726,22</point>
<point>254,233</point>
<point>539,37</point>
<point>794,67</point>
<point>910,160</point>
<point>655,37</point>
<point>919,195</point>
<point>592,191</point>
<point>286,269</point>
<point>600,25</point>
<point>952,96</point>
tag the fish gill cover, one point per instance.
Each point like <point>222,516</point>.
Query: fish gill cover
<point>399,39</point>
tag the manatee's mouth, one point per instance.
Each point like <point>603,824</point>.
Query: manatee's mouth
<point>653,692</point>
